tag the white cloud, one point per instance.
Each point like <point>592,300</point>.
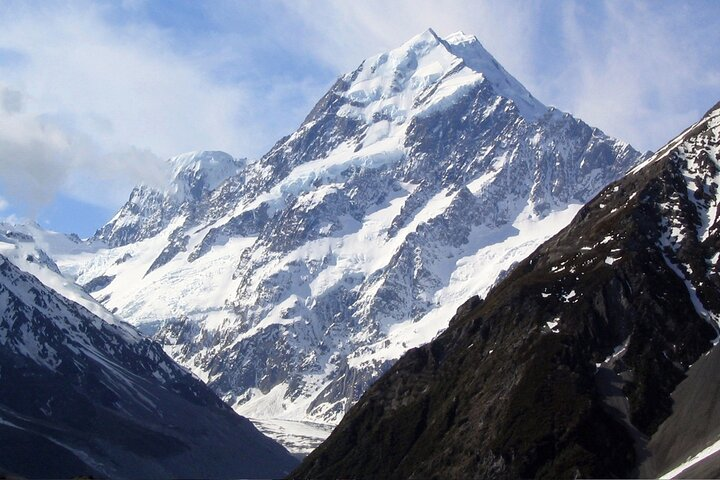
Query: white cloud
<point>31,155</point>
<point>102,102</point>
<point>14,220</point>
<point>3,204</point>
<point>123,85</point>
<point>91,105</point>
<point>40,157</point>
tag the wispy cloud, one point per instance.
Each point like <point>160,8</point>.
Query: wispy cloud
<point>95,94</point>
<point>31,152</point>
<point>90,106</point>
<point>643,72</point>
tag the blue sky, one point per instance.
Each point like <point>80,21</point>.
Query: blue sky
<point>94,95</point>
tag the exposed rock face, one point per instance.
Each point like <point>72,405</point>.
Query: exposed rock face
<point>567,367</point>
<point>81,396</point>
<point>414,182</point>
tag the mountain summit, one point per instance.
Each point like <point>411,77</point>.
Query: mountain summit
<point>415,182</point>
<point>196,173</point>
<point>426,72</point>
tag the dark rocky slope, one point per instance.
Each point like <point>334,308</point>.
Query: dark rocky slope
<point>82,396</point>
<point>568,365</point>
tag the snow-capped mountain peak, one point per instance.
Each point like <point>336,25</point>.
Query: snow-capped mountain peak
<point>196,172</point>
<point>578,363</point>
<point>192,176</point>
<point>460,37</point>
<point>388,86</point>
<point>110,402</point>
<point>25,245</point>
<point>426,73</point>
<point>427,37</point>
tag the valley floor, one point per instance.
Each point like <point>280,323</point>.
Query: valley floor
<point>300,438</point>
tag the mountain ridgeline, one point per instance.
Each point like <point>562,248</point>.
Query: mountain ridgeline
<point>587,360</point>
<point>291,283</point>
<point>84,395</point>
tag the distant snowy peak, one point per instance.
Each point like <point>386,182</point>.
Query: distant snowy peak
<point>149,210</point>
<point>195,173</point>
<point>20,292</point>
<point>591,336</point>
<point>428,72</point>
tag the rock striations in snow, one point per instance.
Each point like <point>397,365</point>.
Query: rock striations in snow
<point>596,357</point>
<point>291,283</point>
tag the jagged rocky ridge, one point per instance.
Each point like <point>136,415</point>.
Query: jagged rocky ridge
<point>83,395</point>
<point>150,210</point>
<point>566,368</point>
<point>415,181</point>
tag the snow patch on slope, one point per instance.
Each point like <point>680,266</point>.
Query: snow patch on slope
<point>490,252</point>
<point>695,459</point>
